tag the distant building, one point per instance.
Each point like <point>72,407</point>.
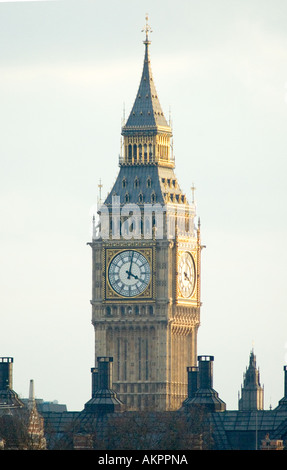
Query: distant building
<point>252,394</point>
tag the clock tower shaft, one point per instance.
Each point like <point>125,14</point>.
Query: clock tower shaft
<point>146,252</point>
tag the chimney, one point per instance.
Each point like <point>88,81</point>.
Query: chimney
<point>104,399</point>
<point>283,402</point>
<point>8,398</point>
<point>94,372</point>
<point>105,373</point>
<point>31,400</point>
<point>192,377</point>
<point>205,364</point>
<point>200,383</point>
<point>6,373</point>
<point>192,384</point>
<point>31,391</point>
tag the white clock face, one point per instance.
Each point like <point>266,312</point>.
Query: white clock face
<point>129,273</point>
<point>186,274</point>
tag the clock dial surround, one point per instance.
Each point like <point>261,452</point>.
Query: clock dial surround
<point>186,275</point>
<point>129,273</point>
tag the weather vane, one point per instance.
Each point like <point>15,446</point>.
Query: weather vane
<point>147,29</point>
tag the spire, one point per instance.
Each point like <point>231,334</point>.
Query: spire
<point>252,394</point>
<point>146,112</point>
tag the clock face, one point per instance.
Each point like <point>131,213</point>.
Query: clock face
<point>129,273</point>
<point>186,275</point>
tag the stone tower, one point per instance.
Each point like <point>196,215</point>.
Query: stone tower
<point>252,394</point>
<point>146,264</point>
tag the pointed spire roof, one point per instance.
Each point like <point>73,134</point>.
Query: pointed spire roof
<point>252,377</point>
<point>146,112</point>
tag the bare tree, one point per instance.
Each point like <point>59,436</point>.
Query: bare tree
<point>157,430</point>
<point>21,430</point>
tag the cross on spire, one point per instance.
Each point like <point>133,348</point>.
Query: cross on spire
<point>147,29</point>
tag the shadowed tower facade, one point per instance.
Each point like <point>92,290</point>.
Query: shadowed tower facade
<point>252,393</point>
<point>146,263</point>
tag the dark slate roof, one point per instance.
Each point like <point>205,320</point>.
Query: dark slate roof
<point>238,429</point>
<point>59,422</point>
<point>9,400</point>
<point>231,430</point>
<point>163,181</point>
<point>146,111</point>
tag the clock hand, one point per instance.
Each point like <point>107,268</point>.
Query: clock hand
<point>131,274</point>
<point>186,276</point>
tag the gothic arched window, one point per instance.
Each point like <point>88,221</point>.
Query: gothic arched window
<point>135,152</point>
<point>145,153</point>
<point>150,151</point>
<point>130,152</point>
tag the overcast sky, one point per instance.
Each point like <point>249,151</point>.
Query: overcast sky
<point>67,70</point>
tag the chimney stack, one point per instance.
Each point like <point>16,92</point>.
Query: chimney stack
<point>283,402</point>
<point>94,372</point>
<point>205,371</point>
<point>8,398</point>
<point>192,377</point>
<point>105,373</point>
<point>200,383</point>
<point>104,399</point>
<point>6,372</point>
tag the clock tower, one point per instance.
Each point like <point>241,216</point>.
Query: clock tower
<point>146,264</point>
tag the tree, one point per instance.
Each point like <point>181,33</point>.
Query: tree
<point>156,430</point>
<point>22,430</point>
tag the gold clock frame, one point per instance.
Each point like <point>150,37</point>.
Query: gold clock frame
<point>109,295</point>
<point>194,296</point>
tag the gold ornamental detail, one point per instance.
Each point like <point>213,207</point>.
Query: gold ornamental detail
<point>110,254</point>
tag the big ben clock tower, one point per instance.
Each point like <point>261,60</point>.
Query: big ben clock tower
<point>146,264</point>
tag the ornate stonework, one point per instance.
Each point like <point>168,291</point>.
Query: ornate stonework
<point>146,274</point>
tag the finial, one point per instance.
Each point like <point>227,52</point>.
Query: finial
<point>193,188</point>
<point>100,191</point>
<point>147,29</point>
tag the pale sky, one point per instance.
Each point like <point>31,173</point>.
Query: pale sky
<point>67,70</point>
